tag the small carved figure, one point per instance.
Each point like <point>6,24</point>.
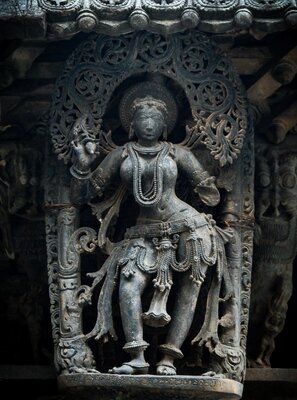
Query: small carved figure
<point>275,246</point>
<point>170,238</point>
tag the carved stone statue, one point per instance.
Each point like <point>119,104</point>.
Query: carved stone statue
<point>169,234</point>
<point>170,251</point>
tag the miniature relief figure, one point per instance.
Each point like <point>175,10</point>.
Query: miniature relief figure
<point>171,243</point>
<point>275,246</point>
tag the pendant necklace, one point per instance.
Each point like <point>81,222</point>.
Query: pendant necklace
<point>153,196</point>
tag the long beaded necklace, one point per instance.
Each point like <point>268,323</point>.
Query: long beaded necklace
<point>153,196</point>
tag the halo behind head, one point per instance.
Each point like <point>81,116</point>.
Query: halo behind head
<point>149,93</point>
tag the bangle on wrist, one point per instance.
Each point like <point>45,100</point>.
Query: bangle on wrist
<point>78,173</point>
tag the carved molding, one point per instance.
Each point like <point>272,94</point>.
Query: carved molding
<point>67,17</point>
<point>268,5</point>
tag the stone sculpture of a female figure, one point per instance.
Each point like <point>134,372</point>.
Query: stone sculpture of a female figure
<point>169,234</point>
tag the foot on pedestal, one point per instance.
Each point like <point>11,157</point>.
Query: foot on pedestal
<point>213,374</point>
<point>130,369</point>
<point>165,368</point>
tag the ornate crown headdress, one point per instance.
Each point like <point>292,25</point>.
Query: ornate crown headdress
<point>150,101</point>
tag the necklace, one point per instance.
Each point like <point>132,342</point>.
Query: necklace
<point>152,151</point>
<point>154,195</point>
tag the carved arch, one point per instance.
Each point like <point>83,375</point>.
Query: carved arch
<point>102,63</point>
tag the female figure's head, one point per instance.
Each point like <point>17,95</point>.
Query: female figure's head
<point>148,123</point>
<point>148,111</point>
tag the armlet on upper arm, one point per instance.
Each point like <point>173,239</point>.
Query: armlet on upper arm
<point>98,180</point>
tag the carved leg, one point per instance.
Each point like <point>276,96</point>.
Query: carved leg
<point>267,348</point>
<point>131,289</point>
<point>208,334</point>
<point>276,315</point>
<point>184,309</point>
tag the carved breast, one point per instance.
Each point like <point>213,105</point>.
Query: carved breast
<point>147,169</point>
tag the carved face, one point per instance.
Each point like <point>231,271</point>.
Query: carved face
<point>276,205</point>
<point>148,124</point>
<point>276,184</point>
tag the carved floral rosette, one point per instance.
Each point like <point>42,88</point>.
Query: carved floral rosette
<point>220,126</point>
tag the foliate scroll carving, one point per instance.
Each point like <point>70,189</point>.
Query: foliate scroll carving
<point>212,87</point>
<point>114,54</point>
<point>64,245</point>
<point>154,7</point>
<point>51,214</point>
<point>52,266</point>
<point>155,49</point>
<point>165,2</point>
<point>87,83</point>
<point>221,121</point>
<point>246,286</point>
<point>268,4</point>
<point>60,5</point>
<point>230,359</point>
<point>116,17</point>
<point>82,240</point>
<point>72,351</point>
<point>114,4</point>
<point>220,4</point>
<point>75,356</point>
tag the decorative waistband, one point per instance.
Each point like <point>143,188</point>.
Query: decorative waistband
<point>160,229</point>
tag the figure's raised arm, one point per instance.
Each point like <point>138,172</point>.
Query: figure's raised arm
<point>105,172</point>
<point>200,179</point>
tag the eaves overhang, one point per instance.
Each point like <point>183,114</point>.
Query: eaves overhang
<point>33,19</point>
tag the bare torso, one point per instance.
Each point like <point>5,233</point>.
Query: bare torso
<point>169,206</point>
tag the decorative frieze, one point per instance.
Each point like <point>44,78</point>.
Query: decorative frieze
<point>65,18</point>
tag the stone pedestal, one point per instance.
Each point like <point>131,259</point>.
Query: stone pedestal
<point>148,387</point>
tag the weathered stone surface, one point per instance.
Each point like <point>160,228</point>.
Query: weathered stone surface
<point>66,18</point>
<point>29,96</point>
<point>174,242</point>
<point>148,387</point>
